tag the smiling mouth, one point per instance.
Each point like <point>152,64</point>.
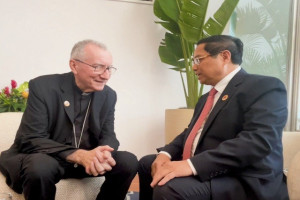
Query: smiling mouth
<point>100,81</point>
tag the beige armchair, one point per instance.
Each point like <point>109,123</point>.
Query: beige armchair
<point>291,147</point>
<point>291,155</point>
<point>74,189</point>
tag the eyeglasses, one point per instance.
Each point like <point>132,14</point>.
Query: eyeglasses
<point>197,61</point>
<point>100,69</point>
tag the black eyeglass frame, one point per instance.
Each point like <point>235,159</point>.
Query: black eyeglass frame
<point>197,60</point>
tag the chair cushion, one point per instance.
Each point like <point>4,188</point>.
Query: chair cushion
<point>81,189</point>
<point>294,178</point>
<point>10,122</point>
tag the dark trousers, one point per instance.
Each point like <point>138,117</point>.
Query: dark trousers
<point>41,172</point>
<point>182,188</point>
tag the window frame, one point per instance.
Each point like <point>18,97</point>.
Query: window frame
<point>293,67</point>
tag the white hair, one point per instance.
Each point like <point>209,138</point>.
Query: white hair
<point>78,49</point>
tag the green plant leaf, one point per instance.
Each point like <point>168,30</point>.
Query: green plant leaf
<point>173,44</point>
<point>224,12</point>
<point>221,17</point>
<point>212,27</point>
<point>2,109</point>
<point>168,57</point>
<point>167,9</point>
<point>170,26</point>
<point>169,18</point>
<point>178,69</point>
<point>170,51</point>
<point>192,18</point>
<point>23,87</point>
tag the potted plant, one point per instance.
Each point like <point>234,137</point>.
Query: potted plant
<point>185,23</point>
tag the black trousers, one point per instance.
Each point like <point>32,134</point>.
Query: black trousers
<point>182,188</point>
<point>40,173</point>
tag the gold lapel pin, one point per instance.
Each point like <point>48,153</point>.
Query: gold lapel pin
<point>67,103</point>
<point>225,97</point>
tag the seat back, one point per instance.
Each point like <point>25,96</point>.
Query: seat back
<point>291,145</point>
<point>9,124</point>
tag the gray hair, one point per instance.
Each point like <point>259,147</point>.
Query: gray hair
<point>78,48</point>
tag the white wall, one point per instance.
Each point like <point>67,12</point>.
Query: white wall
<point>37,37</point>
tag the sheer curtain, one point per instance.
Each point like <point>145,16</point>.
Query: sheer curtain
<point>270,30</point>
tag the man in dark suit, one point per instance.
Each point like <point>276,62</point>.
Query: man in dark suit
<point>237,152</point>
<point>67,130</point>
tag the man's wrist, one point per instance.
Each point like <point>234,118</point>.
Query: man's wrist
<point>63,155</point>
<point>75,157</point>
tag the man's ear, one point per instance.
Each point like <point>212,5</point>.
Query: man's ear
<point>226,55</point>
<point>73,66</point>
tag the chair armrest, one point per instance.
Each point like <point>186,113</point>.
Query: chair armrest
<point>293,178</point>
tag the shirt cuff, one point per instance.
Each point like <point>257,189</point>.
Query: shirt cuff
<point>166,153</point>
<point>192,167</point>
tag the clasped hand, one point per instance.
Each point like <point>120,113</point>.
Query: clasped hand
<point>96,161</point>
<point>163,170</point>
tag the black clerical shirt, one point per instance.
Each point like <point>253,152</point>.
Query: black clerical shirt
<point>81,102</point>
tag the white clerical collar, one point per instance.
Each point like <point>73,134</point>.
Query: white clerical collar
<point>85,93</point>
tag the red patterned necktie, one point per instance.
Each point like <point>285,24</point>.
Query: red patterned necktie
<point>187,151</point>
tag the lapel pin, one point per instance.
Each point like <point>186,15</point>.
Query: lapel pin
<point>67,103</point>
<point>225,97</point>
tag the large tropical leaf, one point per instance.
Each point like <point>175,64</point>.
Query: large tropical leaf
<point>170,51</point>
<point>216,25</point>
<point>171,8</point>
<point>191,20</point>
<point>167,21</point>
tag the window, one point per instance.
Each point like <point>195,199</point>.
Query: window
<point>268,29</point>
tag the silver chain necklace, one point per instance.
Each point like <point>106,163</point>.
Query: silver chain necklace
<point>78,144</point>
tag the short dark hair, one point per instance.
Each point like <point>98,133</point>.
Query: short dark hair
<point>217,43</point>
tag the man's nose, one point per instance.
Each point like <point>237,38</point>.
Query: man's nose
<point>194,67</point>
<point>105,74</point>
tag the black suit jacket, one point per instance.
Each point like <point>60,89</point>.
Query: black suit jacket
<point>46,125</point>
<point>240,145</point>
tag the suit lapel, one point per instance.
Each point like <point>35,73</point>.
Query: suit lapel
<point>67,95</point>
<point>223,99</point>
